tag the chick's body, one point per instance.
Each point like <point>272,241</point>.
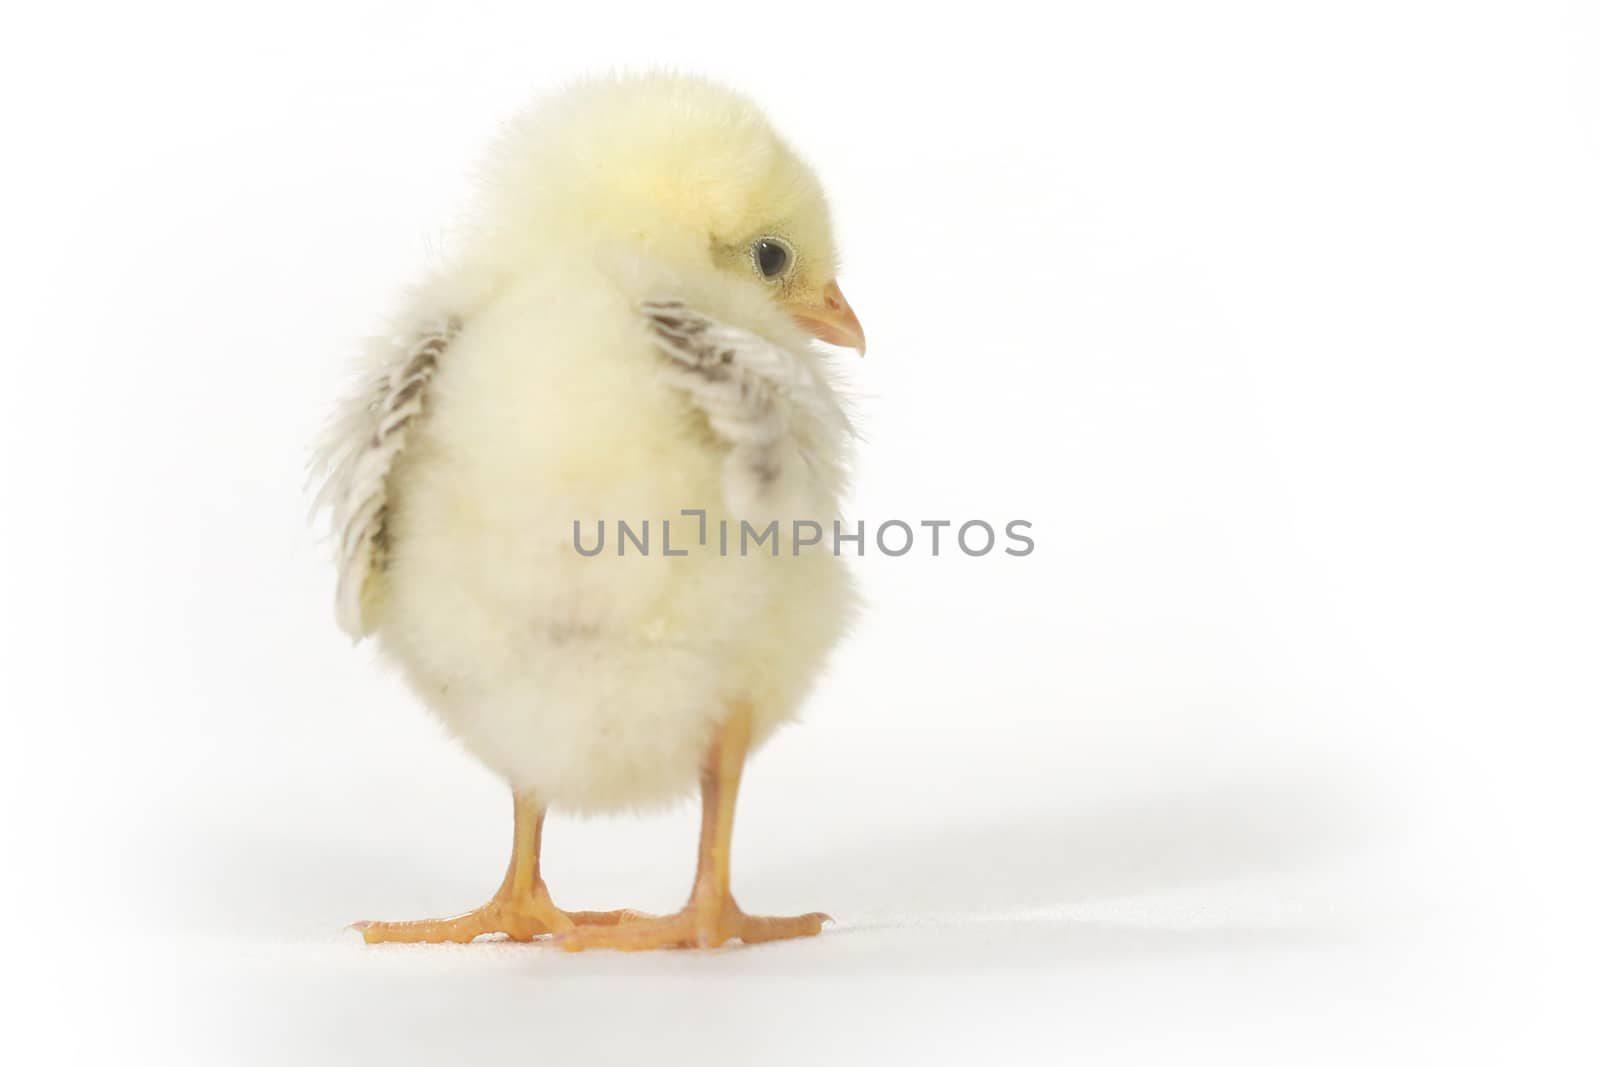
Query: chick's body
<point>597,683</point>
<point>591,682</point>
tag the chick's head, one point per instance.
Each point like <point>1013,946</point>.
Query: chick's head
<point>687,171</point>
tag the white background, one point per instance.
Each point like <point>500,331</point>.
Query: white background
<point>1278,321</point>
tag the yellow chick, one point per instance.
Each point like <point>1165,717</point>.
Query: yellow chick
<point>622,337</point>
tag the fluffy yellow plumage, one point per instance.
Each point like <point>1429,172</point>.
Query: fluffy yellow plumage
<point>624,334</point>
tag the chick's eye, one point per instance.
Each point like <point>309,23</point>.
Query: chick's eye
<point>771,257</point>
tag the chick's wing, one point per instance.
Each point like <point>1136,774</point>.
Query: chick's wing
<point>359,451</point>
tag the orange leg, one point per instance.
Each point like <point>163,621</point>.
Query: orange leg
<point>711,917</point>
<point>521,908</point>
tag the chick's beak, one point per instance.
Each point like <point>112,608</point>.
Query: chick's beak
<point>832,320</point>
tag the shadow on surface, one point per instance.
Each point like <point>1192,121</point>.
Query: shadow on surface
<point>999,866</point>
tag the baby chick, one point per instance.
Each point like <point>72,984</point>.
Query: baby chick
<point>623,334</point>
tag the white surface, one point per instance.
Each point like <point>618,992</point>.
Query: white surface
<point>1278,323</point>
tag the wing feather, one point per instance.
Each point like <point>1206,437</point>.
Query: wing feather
<point>358,453</point>
<point>778,416</point>
<point>716,351</point>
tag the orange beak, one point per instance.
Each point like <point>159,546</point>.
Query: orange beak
<point>833,320</point>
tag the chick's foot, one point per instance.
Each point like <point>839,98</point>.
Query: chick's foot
<point>703,923</point>
<point>521,917</point>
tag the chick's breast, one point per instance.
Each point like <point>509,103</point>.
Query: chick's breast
<point>593,682</point>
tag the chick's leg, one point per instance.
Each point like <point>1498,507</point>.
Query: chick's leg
<point>711,917</point>
<point>521,908</point>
